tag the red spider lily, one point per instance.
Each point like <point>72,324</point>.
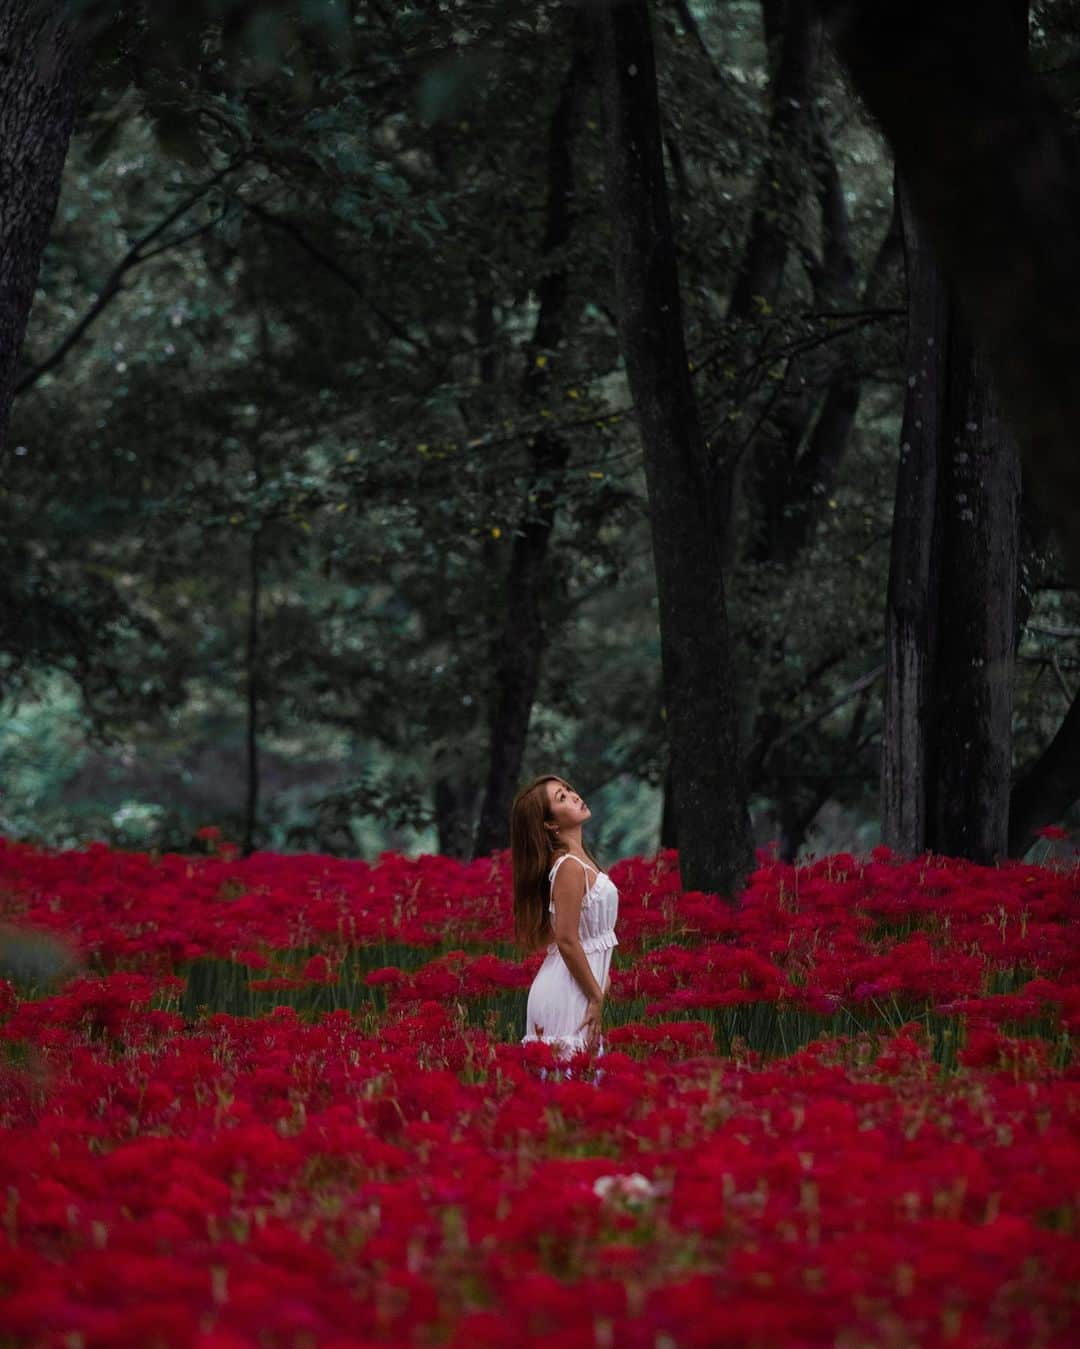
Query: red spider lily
<point>402,1177</point>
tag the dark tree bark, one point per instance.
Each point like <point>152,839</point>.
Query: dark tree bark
<point>798,809</point>
<point>253,647</point>
<point>1050,786</point>
<point>797,460</point>
<point>1035,543</point>
<point>456,768</point>
<point>911,607</point>
<point>798,463</point>
<point>801,455</point>
<point>455,804</point>
<point>668,837</point>
<point>519,645</point>
<point>792,36</point>
<point>950,618</point>
<point>980,504</point>
<point>995,175</point>
<point>251,665</point>
<point>715,846</point>
<point>41,69</point>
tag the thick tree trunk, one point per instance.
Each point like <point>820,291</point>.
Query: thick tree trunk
<point>41,69</point>
<point>951,622</point>
<point>980,504</point>
<point>715,847</point>
<point>519,646</point>
<point>950,619</point>
<point>911,607</point>
<point>994,171</point>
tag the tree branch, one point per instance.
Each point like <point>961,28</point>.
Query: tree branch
<point>1049,630</point>
<point>332,265</point>
<point>852,691</point>
<point>135,255</point>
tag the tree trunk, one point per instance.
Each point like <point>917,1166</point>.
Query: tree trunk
<point>995,173</point>
<point>41,69</point>
<point>252,654</point>
<point>791,36</point>
<point>790,33</point>
<point>455,803</point>
<point>911,607</point>
<point>251,803</point>
<point>950,618</point>
<point>799,459</point>
<point>980,504</point>
<point>715,847</point>
<point>1050,786</point>
<point>796,463</point>
<point>668,838</point>
<point>458,759</point>
<point>817,437</point>
<point>519,646</point>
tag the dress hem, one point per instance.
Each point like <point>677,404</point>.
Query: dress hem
<point>570,1044</point>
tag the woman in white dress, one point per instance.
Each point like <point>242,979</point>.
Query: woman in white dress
<point>564,901</point>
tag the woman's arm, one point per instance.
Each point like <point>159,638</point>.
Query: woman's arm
<point>568,890</point>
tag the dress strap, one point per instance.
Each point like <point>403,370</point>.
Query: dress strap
<point>559,861</point>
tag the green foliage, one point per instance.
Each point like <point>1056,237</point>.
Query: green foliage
<point>316,232</point>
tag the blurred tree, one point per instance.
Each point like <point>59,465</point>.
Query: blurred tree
<point>518,640</point>
<point>950,620</point>
<point>999,206</point>
<point>326,248</point>
<point>45,61</point>
<point>711,821</point>
<point>1000,198</point>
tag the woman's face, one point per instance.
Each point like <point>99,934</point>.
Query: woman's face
<point>565,806</point>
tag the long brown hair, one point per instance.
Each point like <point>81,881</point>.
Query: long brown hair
<point>532,853</point>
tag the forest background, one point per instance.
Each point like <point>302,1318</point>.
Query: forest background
<point>323,459</point>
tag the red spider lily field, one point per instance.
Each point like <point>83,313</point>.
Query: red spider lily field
<point>281,1101</point>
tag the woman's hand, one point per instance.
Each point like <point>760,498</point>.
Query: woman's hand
<point>593,1013</point>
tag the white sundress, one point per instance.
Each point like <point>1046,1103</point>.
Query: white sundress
<point>557,1006</point>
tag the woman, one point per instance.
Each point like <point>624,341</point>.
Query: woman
<point>562,898</point>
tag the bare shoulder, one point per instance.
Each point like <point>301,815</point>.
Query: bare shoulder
<point>568,891</point>
<point>571,879</point>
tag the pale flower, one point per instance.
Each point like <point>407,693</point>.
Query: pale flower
<point>634,1188</point>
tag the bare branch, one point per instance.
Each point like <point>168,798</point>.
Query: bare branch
<point>1056,666</point>
<point>852,691</point>
<point>335,267</point>
<point>135,255</point>
<point>1050,630</point>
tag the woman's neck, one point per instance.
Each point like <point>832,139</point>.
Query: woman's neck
<point>570,841</point>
